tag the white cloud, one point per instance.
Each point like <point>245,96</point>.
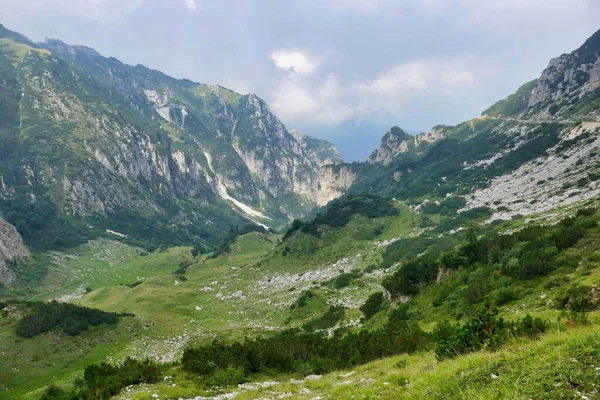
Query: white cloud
<point>295,61</point>
<point>458,78</point>
<point>315,100</point>
<point>191,5</point>
<point>320,102</point>
<point>406,77</point>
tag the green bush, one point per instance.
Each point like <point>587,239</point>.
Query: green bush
<point>103,381</point>
<point>372,305</point>
<point>72,319</point>
<point>577,298</point>
<point>328,320</point>
<point>344,280</point>
<point>505,295</point>
<point>294,352</point>
<point>485,331</point>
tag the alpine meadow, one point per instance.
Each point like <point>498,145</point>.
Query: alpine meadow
<point>162,238</point>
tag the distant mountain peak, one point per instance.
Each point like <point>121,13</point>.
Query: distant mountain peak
<point>397,142</point>
<point>320,151</point>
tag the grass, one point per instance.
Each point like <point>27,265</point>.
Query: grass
<point>98,263</point>
<point>562,364</point>
<point>30,364</point>
<point>248,291</point>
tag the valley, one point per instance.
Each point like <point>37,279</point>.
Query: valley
<point>173,240</point>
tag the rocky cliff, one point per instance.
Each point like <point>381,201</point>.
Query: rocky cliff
<point>396,142</point>
<point>334,181</point>
<point>319,151</point>
<point>11,248</point>
<point>576,71</point>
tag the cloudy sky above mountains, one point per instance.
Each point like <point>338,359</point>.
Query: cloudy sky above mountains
<point>341,69</point>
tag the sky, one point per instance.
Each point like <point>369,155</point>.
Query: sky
<point>344,70</point>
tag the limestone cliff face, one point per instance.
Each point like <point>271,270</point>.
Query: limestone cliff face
<point>271,153</point>
<point>320,151</point>
<point>396,142</point>
<point>11,248</point>
<point>334,181</point>
<point>575,73</point>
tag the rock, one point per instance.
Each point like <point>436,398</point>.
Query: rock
<point>11,248</point>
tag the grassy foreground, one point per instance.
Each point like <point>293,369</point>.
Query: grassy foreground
<point>563,364</point>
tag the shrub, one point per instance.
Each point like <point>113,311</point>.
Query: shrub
<point>70,318</point>
<point>372,305</point>
<point>344,280</point>
<point>103,380</point>
<point>411,274</point>
<point>577,298</point>
<point>504,295</point>
<point>294,352</point>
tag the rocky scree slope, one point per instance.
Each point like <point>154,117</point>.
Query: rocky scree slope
<point>107,146</point>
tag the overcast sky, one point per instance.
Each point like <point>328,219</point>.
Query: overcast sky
<point>345,70</point>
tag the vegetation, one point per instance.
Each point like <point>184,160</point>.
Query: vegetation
<point>234,233</point>
<point>533,251</point>
<point>513,104</point>
<point>306,353</point>
<point>328,320</point>
<point>485,330</point>
<point>339,212</point>
<point>102,381</point>
<point>372,305</point>
<point>70,318</point>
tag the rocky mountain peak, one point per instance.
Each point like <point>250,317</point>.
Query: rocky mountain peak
<point>196,158</point>
<point>62,47</point>
<point>320,151</point>
<point>393,143</point>
<point>575,73</point>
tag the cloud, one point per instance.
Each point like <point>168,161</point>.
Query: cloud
<point>391,93</point>
<point>320,102</point>
<point>191,5</point>
<point>99,10</point>
<point>294,61</point>
<point>400,78</point>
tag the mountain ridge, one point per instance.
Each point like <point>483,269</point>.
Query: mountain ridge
<point>176,149</point>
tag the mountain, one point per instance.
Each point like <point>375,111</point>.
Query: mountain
<point>97,147</point>
<point>534,151</point>
<point>478,267</point>
<point>320,151</point>
<point>569,83</point>
<point>397,142</point>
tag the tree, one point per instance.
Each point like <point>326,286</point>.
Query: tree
<point>372,305</point>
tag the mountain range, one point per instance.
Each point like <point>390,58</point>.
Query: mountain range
<point>94,147</point>
<point>102,146</point>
